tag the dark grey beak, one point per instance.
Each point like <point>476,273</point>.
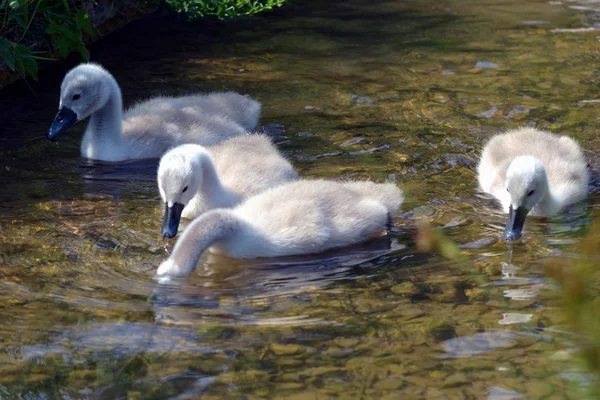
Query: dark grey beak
<point>171,221</point>
<point>516,220</point>
<point>65,118</point>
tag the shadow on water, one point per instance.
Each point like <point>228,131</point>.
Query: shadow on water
<point>112,179</point>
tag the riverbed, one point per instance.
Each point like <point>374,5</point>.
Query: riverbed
<point>388,91</point>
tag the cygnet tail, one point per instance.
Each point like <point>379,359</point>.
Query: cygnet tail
<point>242,109</point>
<point>386,193</point>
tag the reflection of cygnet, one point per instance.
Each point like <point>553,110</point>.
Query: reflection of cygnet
<point>149,128</point>
<point>532,171</point>
<point>301,217</point>
<point>193,179</point>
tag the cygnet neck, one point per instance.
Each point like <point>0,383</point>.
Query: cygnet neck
<point>203,232</point>
<point>106,124</point>
<point>212,190</point>
<point>548,204</point>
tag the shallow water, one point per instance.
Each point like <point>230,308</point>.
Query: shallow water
<point>405,91</point>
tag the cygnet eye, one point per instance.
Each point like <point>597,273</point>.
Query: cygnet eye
<point>184,189</point>
<point>507,190</point>
<point>76,97</point>
<point>530,193</point>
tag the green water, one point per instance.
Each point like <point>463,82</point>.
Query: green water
<point>405,91</point>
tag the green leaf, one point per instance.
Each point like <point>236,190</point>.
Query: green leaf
<point>83,52</point>
<point>30,67</point>
<point>63,45</point>
<point>6,53</point>
<point>24,62</point>
<point>17,18</point>
<point>83,22</point>
<point>5,44</point>
<point>19,65</point>
<point>9,59</point>
<point>22,51</point>
<point>53,28</point>
<point>66,5</point>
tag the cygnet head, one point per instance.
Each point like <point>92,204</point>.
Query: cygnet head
<point>527,184</point>
<point>84,90</point>
<point>179,179</point>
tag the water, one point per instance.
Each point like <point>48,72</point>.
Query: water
<point>406,91</point>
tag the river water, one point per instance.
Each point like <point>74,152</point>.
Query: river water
<point>386,90</point>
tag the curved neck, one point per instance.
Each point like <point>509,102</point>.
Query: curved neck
<point>106,124</point>
<point>200,235</point>
<point>548,204</point>
<point>212,190</point>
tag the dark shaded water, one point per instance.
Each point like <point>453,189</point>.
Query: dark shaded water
<point>405,91</point>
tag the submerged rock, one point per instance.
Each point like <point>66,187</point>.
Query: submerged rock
<point>489,113</point>
<point>389,384</point>
<point>498,393</point>
<point>477,294</point>
<point>455,223</point>
<point>514,318</point>
<point>443,331</point>
<point>371,150</point>
<point>482,342</point>
<point>456,380</point>
<point>485,64</point>
<point>519,110</point>
<point>535,22</point>
<point>346,342</point>
<point>367,306</point>
<point>405,289</point>
<point>538,389</point>
<point>361,100</point>
<point>478,243</point>
<point>285,349</point>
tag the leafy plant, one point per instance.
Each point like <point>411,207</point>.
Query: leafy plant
<point>579,280</point>
<point>31,28</point>
<point>66,39</point>
<point>222,8</point>
<point>49,25</point>
<point>18,58</point>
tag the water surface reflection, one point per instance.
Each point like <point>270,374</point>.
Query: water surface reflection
<point>402,91</point>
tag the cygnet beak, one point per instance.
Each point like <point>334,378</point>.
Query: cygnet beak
<point>171,221</point>
<point>516,220</point>
<point>65,118</point>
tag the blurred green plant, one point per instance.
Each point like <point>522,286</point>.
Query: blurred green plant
<point>222,8</point>
<point>29,28</point>
<point>429,239</point>
<point>579,280</point>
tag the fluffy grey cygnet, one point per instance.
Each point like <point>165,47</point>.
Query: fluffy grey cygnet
<point>151,127</point>
<point>193,179</point>
<point>300,217</point>
<point>532,172</point>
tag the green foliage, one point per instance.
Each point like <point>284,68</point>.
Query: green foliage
<point>18,58</point>
<point>29,28</point>
<point>25,23</point>
<point>579,280</point>
<point>67,39</point>
<point>222,8</point>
